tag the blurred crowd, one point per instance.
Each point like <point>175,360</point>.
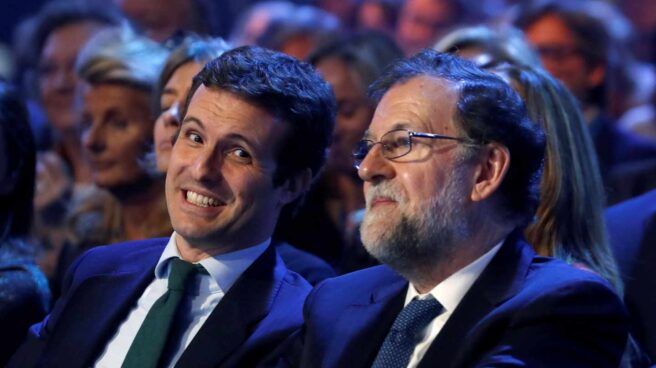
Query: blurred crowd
<point>93,93</point>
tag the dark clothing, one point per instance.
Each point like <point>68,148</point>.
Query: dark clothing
<point>24,295</point>
<point>632,232</point>
<point>622,154</point>
<point>312,268</point>
<point>523,310</point>
<point>261,309</point>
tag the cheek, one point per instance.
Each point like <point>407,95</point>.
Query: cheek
<point>159,132</point>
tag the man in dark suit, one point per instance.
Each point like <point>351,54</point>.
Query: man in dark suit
<point>451,165</point>
<point>632,232</point>
<point>216,293</point>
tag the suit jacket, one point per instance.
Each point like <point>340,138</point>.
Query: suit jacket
<point>261,309</point>
<point>523,310</point>
<point>632,232</point>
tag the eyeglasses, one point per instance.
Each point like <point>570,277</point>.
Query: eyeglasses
<point>397,143</point>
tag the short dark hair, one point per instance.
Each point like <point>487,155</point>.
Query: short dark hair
<point>20,156</point>
<point>487,110</point>
<point>288,89</point>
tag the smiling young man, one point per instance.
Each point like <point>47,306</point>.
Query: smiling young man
<point>215,293</point>
<point>451,164</point>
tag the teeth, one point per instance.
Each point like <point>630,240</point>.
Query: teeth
<point>201,200</point>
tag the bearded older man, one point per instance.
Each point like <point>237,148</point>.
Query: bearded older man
<point>451,165</point>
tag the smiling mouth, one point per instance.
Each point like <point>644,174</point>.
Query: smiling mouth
<point>201,200</point>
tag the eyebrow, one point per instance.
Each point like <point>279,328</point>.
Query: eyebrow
<point>232,136</point>
<point>396,126</point>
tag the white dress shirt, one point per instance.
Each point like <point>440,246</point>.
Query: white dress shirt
<point>449,293</point>
<point>200,300</point>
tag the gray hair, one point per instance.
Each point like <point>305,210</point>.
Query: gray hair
<point>119,56</point>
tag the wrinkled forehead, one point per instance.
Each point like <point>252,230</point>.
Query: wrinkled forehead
<point>422,103</point>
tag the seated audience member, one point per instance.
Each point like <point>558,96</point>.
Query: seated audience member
<point>422,22</point>
<point>299,32</point>
<point>569,219</point>
<point>451,164</point>
<point>254,133</point>
<point>575,47</point>
<point>183,63</point>
<point>118,71</point>
<point>180,67</point>
<point>60,30</point>
<point>378,15</point>
<point>163,20</point>
<point>254,21</point>
<point>24,295</point>
<point>349,64</point>
<point>632,231</point>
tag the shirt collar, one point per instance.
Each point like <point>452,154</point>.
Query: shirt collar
<point>224,269</point>
<point>451,291</point>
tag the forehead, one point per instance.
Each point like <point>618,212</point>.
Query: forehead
<point>425,104</point>
<point>224,112</point>
<point>100,97</point>
<point>182,76</point>
<point>341,77</point>
<point>550,29</point>
<point>69,38</point>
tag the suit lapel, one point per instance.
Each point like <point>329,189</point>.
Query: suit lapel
<point>235,317</point>
<point>369,322</point>
<point>500,280</point>
<point>99,305</point>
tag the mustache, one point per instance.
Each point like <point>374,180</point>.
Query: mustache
<point>384,189</point>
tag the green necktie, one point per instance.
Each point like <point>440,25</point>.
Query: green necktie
<point>147,347</point>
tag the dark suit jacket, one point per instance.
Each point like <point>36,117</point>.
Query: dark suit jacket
<point>260,310</point>
<point>632,231</point>
<point>523,310</point>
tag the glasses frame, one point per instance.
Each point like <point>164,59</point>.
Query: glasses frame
<point>411,134</point>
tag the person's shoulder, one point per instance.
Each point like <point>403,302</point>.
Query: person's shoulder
<point>311,267</point>
<point>629,209</point>
<point>357,286</point>
<point>108,257</point>
<point>552,279</point>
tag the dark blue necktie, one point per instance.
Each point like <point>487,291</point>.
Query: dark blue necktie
<point>405,333</point>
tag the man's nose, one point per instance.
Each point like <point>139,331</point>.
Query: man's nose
<point>207,167</point>
<point>93,139</point>
<point>374,167</point>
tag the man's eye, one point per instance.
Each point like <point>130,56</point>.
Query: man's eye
<point>194,137</point>
<point>240,154</point>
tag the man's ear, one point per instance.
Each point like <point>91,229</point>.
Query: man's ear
<point>490,171</point>
<point>295,186</point>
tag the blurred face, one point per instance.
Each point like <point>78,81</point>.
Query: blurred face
<point>57,78</point>
<point>219,184</point>
<point>354,111</point>
<point>415,204</point>
<point>421,23</point>
<point>117,129</point>
<point>171,102</point>
<point>159,18</point>
<point>561,56</point>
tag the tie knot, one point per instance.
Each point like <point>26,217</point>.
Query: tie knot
<point>180,273</point>
<point>417,314</point>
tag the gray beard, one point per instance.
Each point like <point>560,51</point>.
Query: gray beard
<point>421,241</point>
